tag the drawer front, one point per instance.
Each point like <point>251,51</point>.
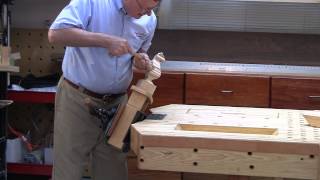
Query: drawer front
<point>295,93</point>
<point>227,90</point>
<point>170,88</point>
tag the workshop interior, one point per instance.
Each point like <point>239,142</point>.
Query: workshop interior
<point>233,92</point>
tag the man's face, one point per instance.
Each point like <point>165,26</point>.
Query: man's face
<point>138,8</point>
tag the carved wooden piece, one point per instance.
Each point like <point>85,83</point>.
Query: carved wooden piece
<point>140,98</point>
<point>225,140</point>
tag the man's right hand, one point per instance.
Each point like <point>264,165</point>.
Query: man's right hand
<point>118,46</point>
<point>75,37</point>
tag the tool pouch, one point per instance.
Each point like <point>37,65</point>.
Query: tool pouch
<point>106,112</point>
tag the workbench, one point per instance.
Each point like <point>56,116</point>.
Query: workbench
<point>228,140</point>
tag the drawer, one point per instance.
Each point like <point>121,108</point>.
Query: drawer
<point>295,93</point>
<point>170,88</point>
<point>227,90</point>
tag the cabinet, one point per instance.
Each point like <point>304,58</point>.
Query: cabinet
<point>30,170</point>
<point>170,88</point>
<point>295,93</point>
<point>227,90</point>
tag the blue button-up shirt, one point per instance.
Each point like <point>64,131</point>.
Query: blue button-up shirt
<point>93,67</point>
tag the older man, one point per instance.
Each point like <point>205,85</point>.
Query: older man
<point>101,36</point>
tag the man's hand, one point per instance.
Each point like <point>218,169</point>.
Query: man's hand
<point>118,46</point>
<point>141,61</point>
<point>76,37</point>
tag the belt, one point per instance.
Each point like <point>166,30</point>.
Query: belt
<point>106,97</point>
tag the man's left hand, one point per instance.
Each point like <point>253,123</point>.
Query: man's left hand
<point>141,61</point>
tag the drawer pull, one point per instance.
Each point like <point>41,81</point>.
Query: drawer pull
<point>314,97</point>
<point>226,91</point>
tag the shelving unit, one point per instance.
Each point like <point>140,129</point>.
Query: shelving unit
<point>31,96</point>
<point>29,169</point>
<point>3,117</point>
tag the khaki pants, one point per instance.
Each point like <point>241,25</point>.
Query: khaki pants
<point>78,138</point>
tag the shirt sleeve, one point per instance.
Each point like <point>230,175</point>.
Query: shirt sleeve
<point>76,14</point>
<point>147,43</point>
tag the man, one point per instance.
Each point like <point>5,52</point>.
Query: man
<point>101,37</point>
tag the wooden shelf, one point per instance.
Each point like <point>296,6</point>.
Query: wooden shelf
<point>31,96</point>
<point>6,68</point>
<point>29,169</point>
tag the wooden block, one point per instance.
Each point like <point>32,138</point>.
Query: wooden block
<point>137,100</point>
<point>5,55</point>
<point>313,118</point>
<point>122,125</point>
<point>5,68</point>
<point>140,98</point>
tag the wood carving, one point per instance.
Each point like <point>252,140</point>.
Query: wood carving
<point>139,100</point>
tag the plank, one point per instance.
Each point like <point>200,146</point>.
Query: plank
<point>6,68</point>
<point>228,162</point>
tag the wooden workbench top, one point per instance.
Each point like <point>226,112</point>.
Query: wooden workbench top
<point>229,128</point>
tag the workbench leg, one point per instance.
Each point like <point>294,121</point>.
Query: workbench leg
<point>238,177</point>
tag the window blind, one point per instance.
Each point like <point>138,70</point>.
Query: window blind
<point>253,16</point>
